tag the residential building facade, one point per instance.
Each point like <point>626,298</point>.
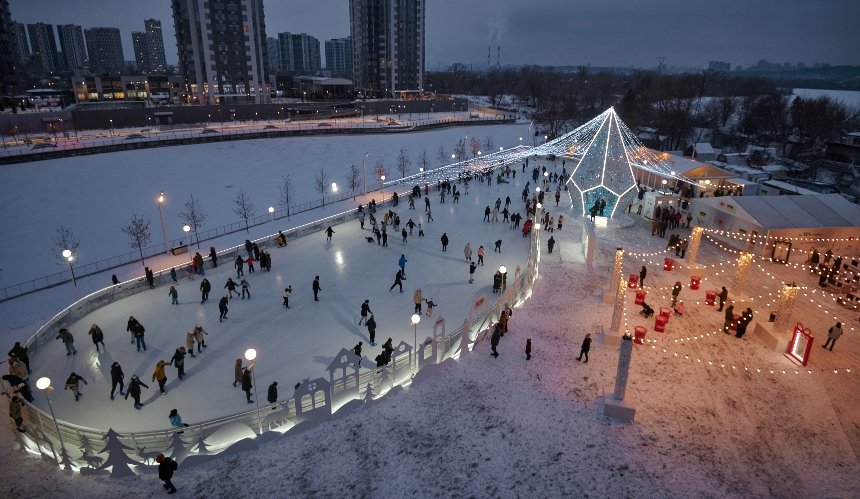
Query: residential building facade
<point>387,45</point>
<point>338,57</point>
<point>273,54</point>
<point>10,62</point>
<point>104,48</point>
<point>222,50</point>
<point>300,53</point>
<point>43,45</point>
<point>149,48</point>
<point>73,46</point>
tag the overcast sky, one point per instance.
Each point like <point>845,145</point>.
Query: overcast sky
<point>547,32</point>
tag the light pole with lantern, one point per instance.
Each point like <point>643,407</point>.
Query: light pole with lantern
<point>272,213</point>
<point>67,254</point>
<point>415,320</point>
<point>251,356</point>
<point>382,187</point>
<point>161,214</point>
<point>44,383</point>
<point>364,164</point>
<point>186,229</point>
<point>504,271</point>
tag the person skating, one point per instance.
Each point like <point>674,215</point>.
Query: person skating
<point>402,264</point>
<point>176,420</point>
<point>724,294</point>
<point>272,393</point>
<point>387,350</point>
<point>472,267</point>
<point>174,295</point>
<point>833,334</point>
<point>417,299</point>
<point>528,349</point>
<point>398,281</point>
<point>97,336</point>
<point>371,329</point>
<point>239,263</point>
<point>287,292</point>
<point>21,353</point>
<point>328,233</point>
<point>316,287</point>
<point>237,372</point>
<point>222,308</point>
<point>160,376</point>
<point>365,309</point>
<point>205,288</point>
<point>549,244</point>
<point>189,343</point>
<point>357,351</point>
<point>430,306</point>
<point>230,286</point>
<point>166,468</point>
<point>16,413</point>
<point>116,378</point>
<point>68,340</point>
<point>178,361</point>
<point>200,337</point>
<point>498,247</point>
<point>494,339</point>
<point>134,390</point>
<point>213,255</point>
<point>250,261</point>
<point>481,253</point>
<point>642,274</point>
<point>583,350</point>
<point>467,252</point>
<point>73,384</point>
<point>246,288</point>
<point>150,277</point>
<point>444,240</point>
<point>19,386</point>
<point>246,384</point>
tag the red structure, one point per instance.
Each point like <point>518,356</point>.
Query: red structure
<point>800,345</point>
<point>660,324</point>
<point>639,334</point>
<point>665,312</point>
<point>632,281</point>
<point>710,297</point>
<point>640,296</point>
<point>668,264</point>
<point>694,282</point>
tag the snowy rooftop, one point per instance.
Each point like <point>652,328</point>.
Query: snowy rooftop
<point>796,211</point>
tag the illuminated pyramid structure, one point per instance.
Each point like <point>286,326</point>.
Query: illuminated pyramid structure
<point>604,152</point>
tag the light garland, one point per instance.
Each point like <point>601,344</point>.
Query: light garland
<point>744,261</point>
<point>617,267</point>
<point>786,306</point>
<point>618,310</point>
<point>695,241</point>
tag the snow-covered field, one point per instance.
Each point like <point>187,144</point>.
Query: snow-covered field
<point>712,421</point>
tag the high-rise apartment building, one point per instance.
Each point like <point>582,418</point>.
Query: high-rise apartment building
<point>73,46</point>
<point>387,45</point>
<point>338,57</point>
<point>273,54</point>
<point>300,53</point>
<point>222,50</point>
<point>149,48</point>
<point>104,47</point>
<point>10,65</point>
<point>44,48</point>
<point>22,47</point>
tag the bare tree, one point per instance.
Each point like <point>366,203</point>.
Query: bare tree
<point>353,180</point>
<point>475,146</point>
<point>193,216</point>
<point>64,239</point>
<point>442,156</point>
<point>138,234</point>
<point>423,161</point>
<point>287,193</point>
<point>460,150</point>
<point>403,162</point>
<point>321,182</point>
<point>243,208</point>
<point>489,145</point>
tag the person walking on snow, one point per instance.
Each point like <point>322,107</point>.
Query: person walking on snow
<point>583,350</point>
<point>222,308</point>
<point>15,407</point>
<point>365,309</point>
<point>316,287</point>
<point>250,262</point>
<point>134,391</point>
<point>398,281</point>
<point>417,299</point>
<point>642,274</point>
<point>403,235</point>
<point>116,378</point>
<point>357,351</point>
<point>237,372</point>
<point>550,243</point>
<point>97,335</point>
<point>724,294</point>
<point>467,252</point>
<point>494,340</point>
<point>272,393</point>
<point>832,335</point>
<point>676,290</point>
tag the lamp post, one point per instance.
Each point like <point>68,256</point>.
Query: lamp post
<point>272,212</point>
<point>421,171</point>
<point>67,254</point>
<point>186,229</point>
<point>382,187</point>
<point>44,383</point>
<point>504,271</point>
<point>364,164</point>
<point>415,320</point>
<point>251,355</point>
<point>111,128</point>
<point>161,214</point>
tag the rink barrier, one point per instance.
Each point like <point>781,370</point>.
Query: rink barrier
<point>104,265</point>
<point>303,407</point>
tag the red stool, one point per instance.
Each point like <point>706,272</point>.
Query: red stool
<point>640,296</point>
<point>660,324</point>
<point>665,312</point>
<point>668,264</point>
<point>694,282</point>
<point>632,281</point>
<point>710,296</point>
<point>639,334</point>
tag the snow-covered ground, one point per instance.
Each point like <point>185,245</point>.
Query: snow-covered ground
<point>712,421</point>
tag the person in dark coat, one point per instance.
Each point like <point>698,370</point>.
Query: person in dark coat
<point>205,288</point>
<point>213,255</point>
<point>15,407</point>
<point>642,274</point>
<point>222,308</point>
<point>240,266</point>
<point>730,316</point>
<point>19,385</point>
<point>329,232</point>
<point>365,309</point>
<point>73,384</point>
<point>528,349</point>
<point>21,353</point>
<point>150,277</point>
<point>357,350</point>
<point>246,384</point>
<point>444,240</point>
<point>272,395</point>
<point>230,286</point>
<point>676,290</point>
<point>371,329</point>
<point>316,287</point>
<point>494,339</point>
<point>116,378</point>
<point>724,294</point>
<point>833,334</point>
<point>550,243</point>
<point>97,335</point>
<point>497,282</point>
<point>249,247</point>
<point>134,391</point>
<point>746,318</point>
<point>398,281</point>
<point>813,260</point>
<point>387,350</point>
<point>166,467</point>
<point>178,361</point>
<point>583,350</point>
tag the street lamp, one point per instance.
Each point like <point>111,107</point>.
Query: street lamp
<point>186,229</point>
<point>364,164</point>
<point>504,271</point>
<point>111,128</point>
<point>334,187</point>
<point>272,212</point>
<point>421,171</point>
<point>382,187</point>
<point>161,214</point>
<point>44,383</point>
<point>251,355</point>
<point>415,320</point>
<point>67,254</point>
